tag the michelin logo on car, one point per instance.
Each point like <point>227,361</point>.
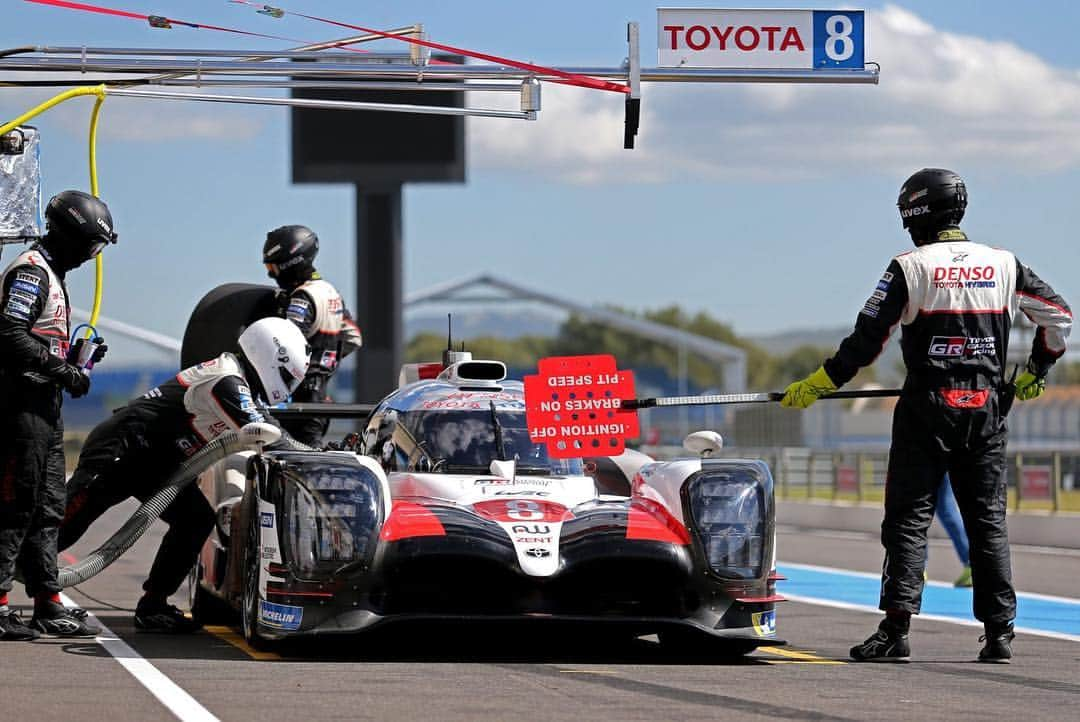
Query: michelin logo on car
<point>280,616</point>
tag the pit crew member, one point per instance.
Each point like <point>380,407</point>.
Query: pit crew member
<point>955,300</point>
<point>136,451</point>
<point>34,372</point>
<point>313,304</point>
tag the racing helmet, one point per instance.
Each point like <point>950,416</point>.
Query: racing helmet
<point>931,199</point>
<point>79,227</point>
<point>279,354</point>
<point>289,253</point>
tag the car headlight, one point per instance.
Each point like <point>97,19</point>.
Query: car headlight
<point>727,508</point>
<point>332,515</point>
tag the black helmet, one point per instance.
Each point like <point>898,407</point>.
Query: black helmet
<point>289,253</point>
<point>79,226</point>
<point>931,199</point>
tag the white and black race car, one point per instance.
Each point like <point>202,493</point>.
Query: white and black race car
<point>447,510</point>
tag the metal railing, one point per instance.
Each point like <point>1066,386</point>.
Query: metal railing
<point>1043,480</point>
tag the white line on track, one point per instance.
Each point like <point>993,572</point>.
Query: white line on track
<point>929,583</point>
<point>179,702</point>
<point>934,617</point>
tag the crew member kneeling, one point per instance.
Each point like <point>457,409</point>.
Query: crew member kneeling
<point>955,300</point>
<point>134,452</point>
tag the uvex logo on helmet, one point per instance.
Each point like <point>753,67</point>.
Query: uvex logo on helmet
<point>916,211</point>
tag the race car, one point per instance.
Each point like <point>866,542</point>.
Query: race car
<point>445,508</point>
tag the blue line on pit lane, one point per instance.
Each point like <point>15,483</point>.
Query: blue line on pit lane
<point>1032,611</point>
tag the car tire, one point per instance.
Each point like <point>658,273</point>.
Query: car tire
<point>249,609</point>
<point>688,643</point>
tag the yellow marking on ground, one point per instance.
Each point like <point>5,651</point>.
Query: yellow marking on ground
<point>794,656</point>
<point>229,635</point>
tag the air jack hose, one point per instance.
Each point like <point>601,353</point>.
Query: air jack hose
<point>251,436</point>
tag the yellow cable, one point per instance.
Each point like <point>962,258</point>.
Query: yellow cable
<point>99,264</point>
<point>99,92</point>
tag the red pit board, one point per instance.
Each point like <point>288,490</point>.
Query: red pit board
<point>573,406</point>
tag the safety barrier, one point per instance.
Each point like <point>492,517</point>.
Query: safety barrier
<point>1044,480</point>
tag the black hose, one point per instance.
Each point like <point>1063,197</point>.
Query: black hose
<point>229,443</point>
<point>5,52</point>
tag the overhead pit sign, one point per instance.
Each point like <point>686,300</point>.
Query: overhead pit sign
<point>774,39</point>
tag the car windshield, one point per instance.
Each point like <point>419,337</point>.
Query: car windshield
<point>462,441</point>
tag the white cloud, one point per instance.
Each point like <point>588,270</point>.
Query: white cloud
<point>944,98</point>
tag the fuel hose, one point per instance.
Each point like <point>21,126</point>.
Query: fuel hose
<point>251,436</point>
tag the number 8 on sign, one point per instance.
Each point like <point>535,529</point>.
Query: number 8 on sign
<point>839,39</point>
<point>838,44</point>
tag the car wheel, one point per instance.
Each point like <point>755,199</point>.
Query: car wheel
<point>700,645</point>
<point>249,611</point>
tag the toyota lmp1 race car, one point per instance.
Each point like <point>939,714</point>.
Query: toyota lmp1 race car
<point>444,509</point>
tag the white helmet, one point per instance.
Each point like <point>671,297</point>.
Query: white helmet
<point>279,353</point>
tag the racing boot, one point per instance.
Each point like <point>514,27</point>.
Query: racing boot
<point>53,619</point>
<point>12,627</point>
<point>998,647</point>
<point>152,615</point>
<point>888,644</point>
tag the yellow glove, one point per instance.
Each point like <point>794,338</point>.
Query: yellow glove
<point>1029,386</point>
<point>801,394</point>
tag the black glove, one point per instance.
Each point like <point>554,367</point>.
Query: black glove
<point>99,353</point>
<point>74,380</point>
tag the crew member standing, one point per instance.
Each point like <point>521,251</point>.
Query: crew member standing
<point>955,300</point>
<point>34,372</point>
<point>314,305</point>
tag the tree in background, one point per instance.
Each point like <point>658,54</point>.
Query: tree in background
<point>577,336</point>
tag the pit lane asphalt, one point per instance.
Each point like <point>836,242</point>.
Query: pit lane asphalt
<point>481,674</point>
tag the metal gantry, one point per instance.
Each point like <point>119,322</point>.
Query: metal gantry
<point>160,73</point>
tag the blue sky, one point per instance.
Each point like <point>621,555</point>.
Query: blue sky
<point>772,208</point>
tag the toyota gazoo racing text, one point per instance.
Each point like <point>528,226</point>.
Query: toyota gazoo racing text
<point>447,510</point>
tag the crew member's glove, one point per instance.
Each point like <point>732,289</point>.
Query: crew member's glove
<point>1029,385</point>
<point>74,380</point>
<point>99,352</point>
<point>801,394</point>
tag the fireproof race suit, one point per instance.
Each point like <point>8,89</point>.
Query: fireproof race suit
<point>317,309</point>
<point>955,301</point>
<point>136,450</point>
<point>33,372</point>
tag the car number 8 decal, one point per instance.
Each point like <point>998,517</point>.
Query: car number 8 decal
<point>524,510</point>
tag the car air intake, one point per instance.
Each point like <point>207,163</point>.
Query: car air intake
<point>476,373</point>
<point>728,513</point>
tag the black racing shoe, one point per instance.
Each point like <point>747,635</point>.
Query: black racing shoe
<point>13,629</point>
<point>998,647</point>
<point>163,618</point>
<point>887,644</point>
<point>56,620</point>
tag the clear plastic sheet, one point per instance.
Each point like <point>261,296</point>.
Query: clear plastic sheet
<point>20,185</point>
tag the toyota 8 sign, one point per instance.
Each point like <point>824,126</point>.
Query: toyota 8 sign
<point>777,39</point>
